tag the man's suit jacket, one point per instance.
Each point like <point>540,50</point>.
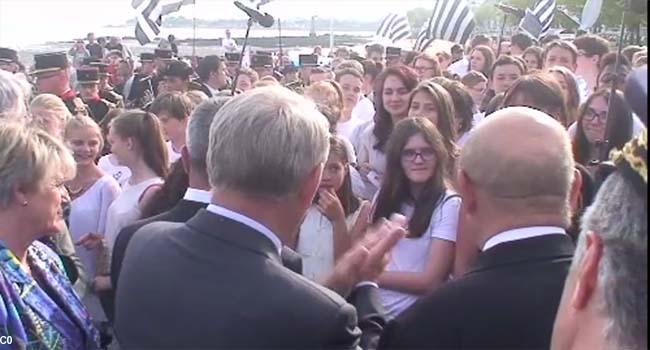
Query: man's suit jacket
<point>181,212</point>
<point>507,301</point>
<point>216,283</point>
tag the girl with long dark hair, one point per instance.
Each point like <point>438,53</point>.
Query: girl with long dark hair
<point>415,186</point>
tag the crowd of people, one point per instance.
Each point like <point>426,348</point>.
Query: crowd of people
<point>491,196</point>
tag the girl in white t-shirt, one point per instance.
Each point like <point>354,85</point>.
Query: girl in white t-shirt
<point>414,186</point>
<point>325,232</point>
<point>351,82</point>
<point>432,101</point>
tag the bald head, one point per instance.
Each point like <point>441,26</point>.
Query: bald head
<point>520,157</point>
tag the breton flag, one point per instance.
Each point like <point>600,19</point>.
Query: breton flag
<point>423,40</point>
<point>149,16</point>
<point>452,20</point>
<point>394,28</point>
<point>538,21</point>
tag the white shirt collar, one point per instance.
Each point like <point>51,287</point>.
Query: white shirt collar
<point>248,222</point>
<point>195,195</point>
<point>214,92</point>
<point>522,233</point>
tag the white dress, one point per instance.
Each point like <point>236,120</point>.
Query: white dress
<point>88,215</point>
<point>125,210</point>
<point>110,166</point>
<point>412,254</point>
<point>316,243</point>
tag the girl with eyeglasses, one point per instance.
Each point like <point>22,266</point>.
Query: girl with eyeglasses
<point>591,126</point>
<point>414,186</point>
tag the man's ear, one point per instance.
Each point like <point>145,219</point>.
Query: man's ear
<point>467,191</point>
<point>587,274</point>
<point>575,196</point>
<point>310,185</point>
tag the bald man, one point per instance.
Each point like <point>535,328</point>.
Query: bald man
<point>517,181</point>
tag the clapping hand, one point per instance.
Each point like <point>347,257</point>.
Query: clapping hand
<point>368,258</point>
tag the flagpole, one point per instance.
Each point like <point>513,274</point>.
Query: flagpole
<point>503,28</point>
<point>280,38</point>
<point>331,34</point>
<point>194,31</point>
<point>603,151</point>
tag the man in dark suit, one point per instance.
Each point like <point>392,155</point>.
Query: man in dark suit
<point>212,75</point>
<point>516,179</point>
<point>218,281</point>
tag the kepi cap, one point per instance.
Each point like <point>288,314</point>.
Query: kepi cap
<point>393,52</point>
<point>308,60</point>
<point>50,62</point>
<point>88,75</point>
<point>233,57</point>
<point>147,57</point>
<point>8,55</point>
<point>261,61</point>
<point>165,54</point>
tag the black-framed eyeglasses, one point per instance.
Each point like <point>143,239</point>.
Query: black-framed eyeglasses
<point>425,154</point>
<point>591,115</point>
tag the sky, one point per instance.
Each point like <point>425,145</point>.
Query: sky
<point>29,22</point>
<point>26,14</point>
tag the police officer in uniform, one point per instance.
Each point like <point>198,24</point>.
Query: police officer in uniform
<point>291,80</point>
<point>162,56</point>
<point>106,91</point>
<point>8,60</point>
<point>88,81</point>
<point>232,63</point>
<point>52,75</point>
<point>262,63</point>
<point>137,91</point>
<point>307,63</point>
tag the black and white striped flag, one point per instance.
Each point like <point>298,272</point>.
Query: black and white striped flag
<point>538,21</point>
<point>452,20</point>
<point>545,11</point>
<point>149,16</point>
<point>423,40</point>
<point>394,27</point>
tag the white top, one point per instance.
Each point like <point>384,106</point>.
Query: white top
<point>125,210</point>
<point>583,89</point>
<point>88,215</point>
<point>637,127</point>
<point>316,243</point>
<point>171,152</point>
<point>377,160</point>
<point>229,45</point>
<point>364,110</point>
<point>522,233</point>
<point>347,129</point>
<point>110,166</point>
<point>261,229</point>
<point>412,254</point>
<point>460,67</point>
